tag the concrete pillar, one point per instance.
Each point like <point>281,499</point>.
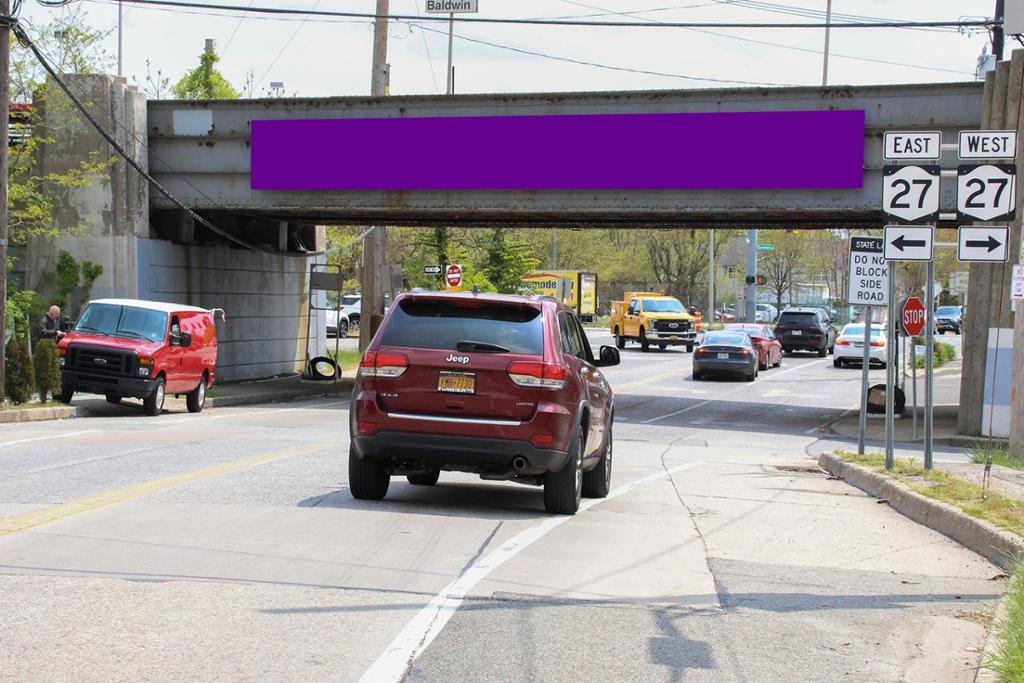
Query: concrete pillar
<point>102,221</point>
<point>989,282</point>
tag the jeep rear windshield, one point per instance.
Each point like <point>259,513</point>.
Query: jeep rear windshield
<point>794,318</point>
<point>438,324</point>
<point>125,322</point>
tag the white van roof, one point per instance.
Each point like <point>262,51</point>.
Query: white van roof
<point>161,306</point>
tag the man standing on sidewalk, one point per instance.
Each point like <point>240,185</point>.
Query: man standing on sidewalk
<point>50,325</point>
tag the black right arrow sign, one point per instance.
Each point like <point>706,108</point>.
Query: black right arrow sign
<point>983,243</point>
<point>991,243</point>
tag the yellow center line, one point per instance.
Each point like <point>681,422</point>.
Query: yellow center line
<point>53,513</point>
<point>650,379</point>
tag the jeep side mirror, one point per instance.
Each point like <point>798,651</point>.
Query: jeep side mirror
<point>608,356</point>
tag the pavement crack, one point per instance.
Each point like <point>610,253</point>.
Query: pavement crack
<point>693,521</point>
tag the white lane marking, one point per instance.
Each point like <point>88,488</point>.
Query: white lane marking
<point>718,398</point>
<point>47,438</point>
<point>417,635</point>
<point>278,410</point>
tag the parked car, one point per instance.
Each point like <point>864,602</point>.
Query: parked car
<point>725,353</point>
<point>350,309</point>
<point>766,313</point>
<point>503,386</point>
<point>126,348</point>
<point>850,346</point>
<point>336,322</point>
<point>769,349</point>
<point>806,329</point>
<point>726,314</point>
<point>949,318</point>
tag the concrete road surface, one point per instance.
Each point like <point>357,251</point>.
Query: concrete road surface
<point>225,546</point>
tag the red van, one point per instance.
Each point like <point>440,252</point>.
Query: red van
<point>140,349</point>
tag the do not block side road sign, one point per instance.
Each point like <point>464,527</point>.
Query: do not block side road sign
<point>909,243</point>
<point>869,273</point>
<point>983,244</point>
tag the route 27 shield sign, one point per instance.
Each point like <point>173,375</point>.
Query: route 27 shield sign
<point>910,193</point>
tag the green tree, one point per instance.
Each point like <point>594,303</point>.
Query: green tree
<point>47,368</point>
<point>506,260</point>
<point>781,265</point>
<point>204,82</point>
<point>19,379</point>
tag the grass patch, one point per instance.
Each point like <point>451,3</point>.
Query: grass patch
<point>53,403</point>
<point>1008,660</point>
<point>347,360</point>
<point>1000,456</point>
<point>944,353</point>
<point>1006,513</point>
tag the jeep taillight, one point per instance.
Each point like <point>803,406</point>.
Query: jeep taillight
<point>538,375</point>
<point>384,365</point>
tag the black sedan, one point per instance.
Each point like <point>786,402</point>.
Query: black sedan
<point>725,353</point>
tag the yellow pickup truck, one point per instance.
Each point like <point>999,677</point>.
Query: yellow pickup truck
<point>652,318</point>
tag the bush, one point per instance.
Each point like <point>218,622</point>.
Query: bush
<point>18,377</point>
<point>47,368</point>
<point>943,354</point>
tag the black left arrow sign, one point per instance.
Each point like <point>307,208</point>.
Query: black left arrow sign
<point>991,244</point>
<point>902,241</point>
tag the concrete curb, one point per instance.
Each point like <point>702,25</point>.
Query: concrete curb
<point>61,412</point>
<point>341,388</point>
<point>964,441</point>
<point>998,546</point>
<point>983,675</point>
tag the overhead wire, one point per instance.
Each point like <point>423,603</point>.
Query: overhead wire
<point>560,22</point>
<point>285,46</point>
<point>426,48</point>
<point>783,45</point>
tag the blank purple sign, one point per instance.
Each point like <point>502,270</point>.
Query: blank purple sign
<point>727,151</point>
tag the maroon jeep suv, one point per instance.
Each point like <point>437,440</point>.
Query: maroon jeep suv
<point>503,386</point>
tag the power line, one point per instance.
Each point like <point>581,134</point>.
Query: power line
<point>563,22</point>
<point>426,48</point>
<point>237,26</point>
<point>582,62</point>
<point>781,45</point>
<point>285,46</point>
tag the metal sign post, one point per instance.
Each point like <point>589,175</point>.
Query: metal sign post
<point>929,364</point>
<point>451,8</point>
<point>864,381</point>
<point>890,375</point>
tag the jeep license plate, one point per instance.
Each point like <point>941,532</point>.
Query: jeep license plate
<point>456,382</point>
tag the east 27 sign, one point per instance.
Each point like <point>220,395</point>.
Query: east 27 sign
<point>987,192</point>
<point>910,193</point>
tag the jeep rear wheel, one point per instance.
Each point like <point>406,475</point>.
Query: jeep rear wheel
<point>367,478</point>
<point>562,490</point>
<point>598,481</point>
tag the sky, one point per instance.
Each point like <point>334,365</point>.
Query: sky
<point>321,57</point>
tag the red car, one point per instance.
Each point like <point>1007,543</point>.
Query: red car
<point>503,386</point>
<point>769,348</point>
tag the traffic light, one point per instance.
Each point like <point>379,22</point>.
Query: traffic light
<point>761,280</point>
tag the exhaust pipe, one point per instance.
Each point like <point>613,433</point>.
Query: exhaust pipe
<point>519,463</point>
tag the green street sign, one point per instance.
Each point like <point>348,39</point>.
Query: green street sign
<point>766,247</point>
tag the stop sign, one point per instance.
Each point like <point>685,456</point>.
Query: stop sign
<point>913,316</point>
<point>453,275</point>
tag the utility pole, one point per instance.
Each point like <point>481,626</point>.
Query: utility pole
<point>5,87</point>
<point>450,88</point>
<point>750,315</point>
<point>828,30</point>
<point>710,317</point>
<point>998,37</point>
<point>375,243</point>
<point>120,38</point>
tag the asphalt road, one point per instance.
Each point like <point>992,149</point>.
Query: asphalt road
<point>225,546</point>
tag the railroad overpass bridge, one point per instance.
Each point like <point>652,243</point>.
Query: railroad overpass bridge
<point>271,171</point>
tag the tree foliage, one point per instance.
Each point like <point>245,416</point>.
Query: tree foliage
<point>47,368</point>
<point>205,82</point>
<point>506,260</point>
<point>19,376</point>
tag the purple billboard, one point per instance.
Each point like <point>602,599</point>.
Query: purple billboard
<point>725,151</point>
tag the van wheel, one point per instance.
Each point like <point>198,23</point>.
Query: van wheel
<point>428,478</point>
<point>66,395</point>
<point>598,481</point>
<point>367,478</point>
<point>620,342</point>
<point>562,490</point>
<point>116,400</point>
<point>154,403</point>
<point>196,399</point>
